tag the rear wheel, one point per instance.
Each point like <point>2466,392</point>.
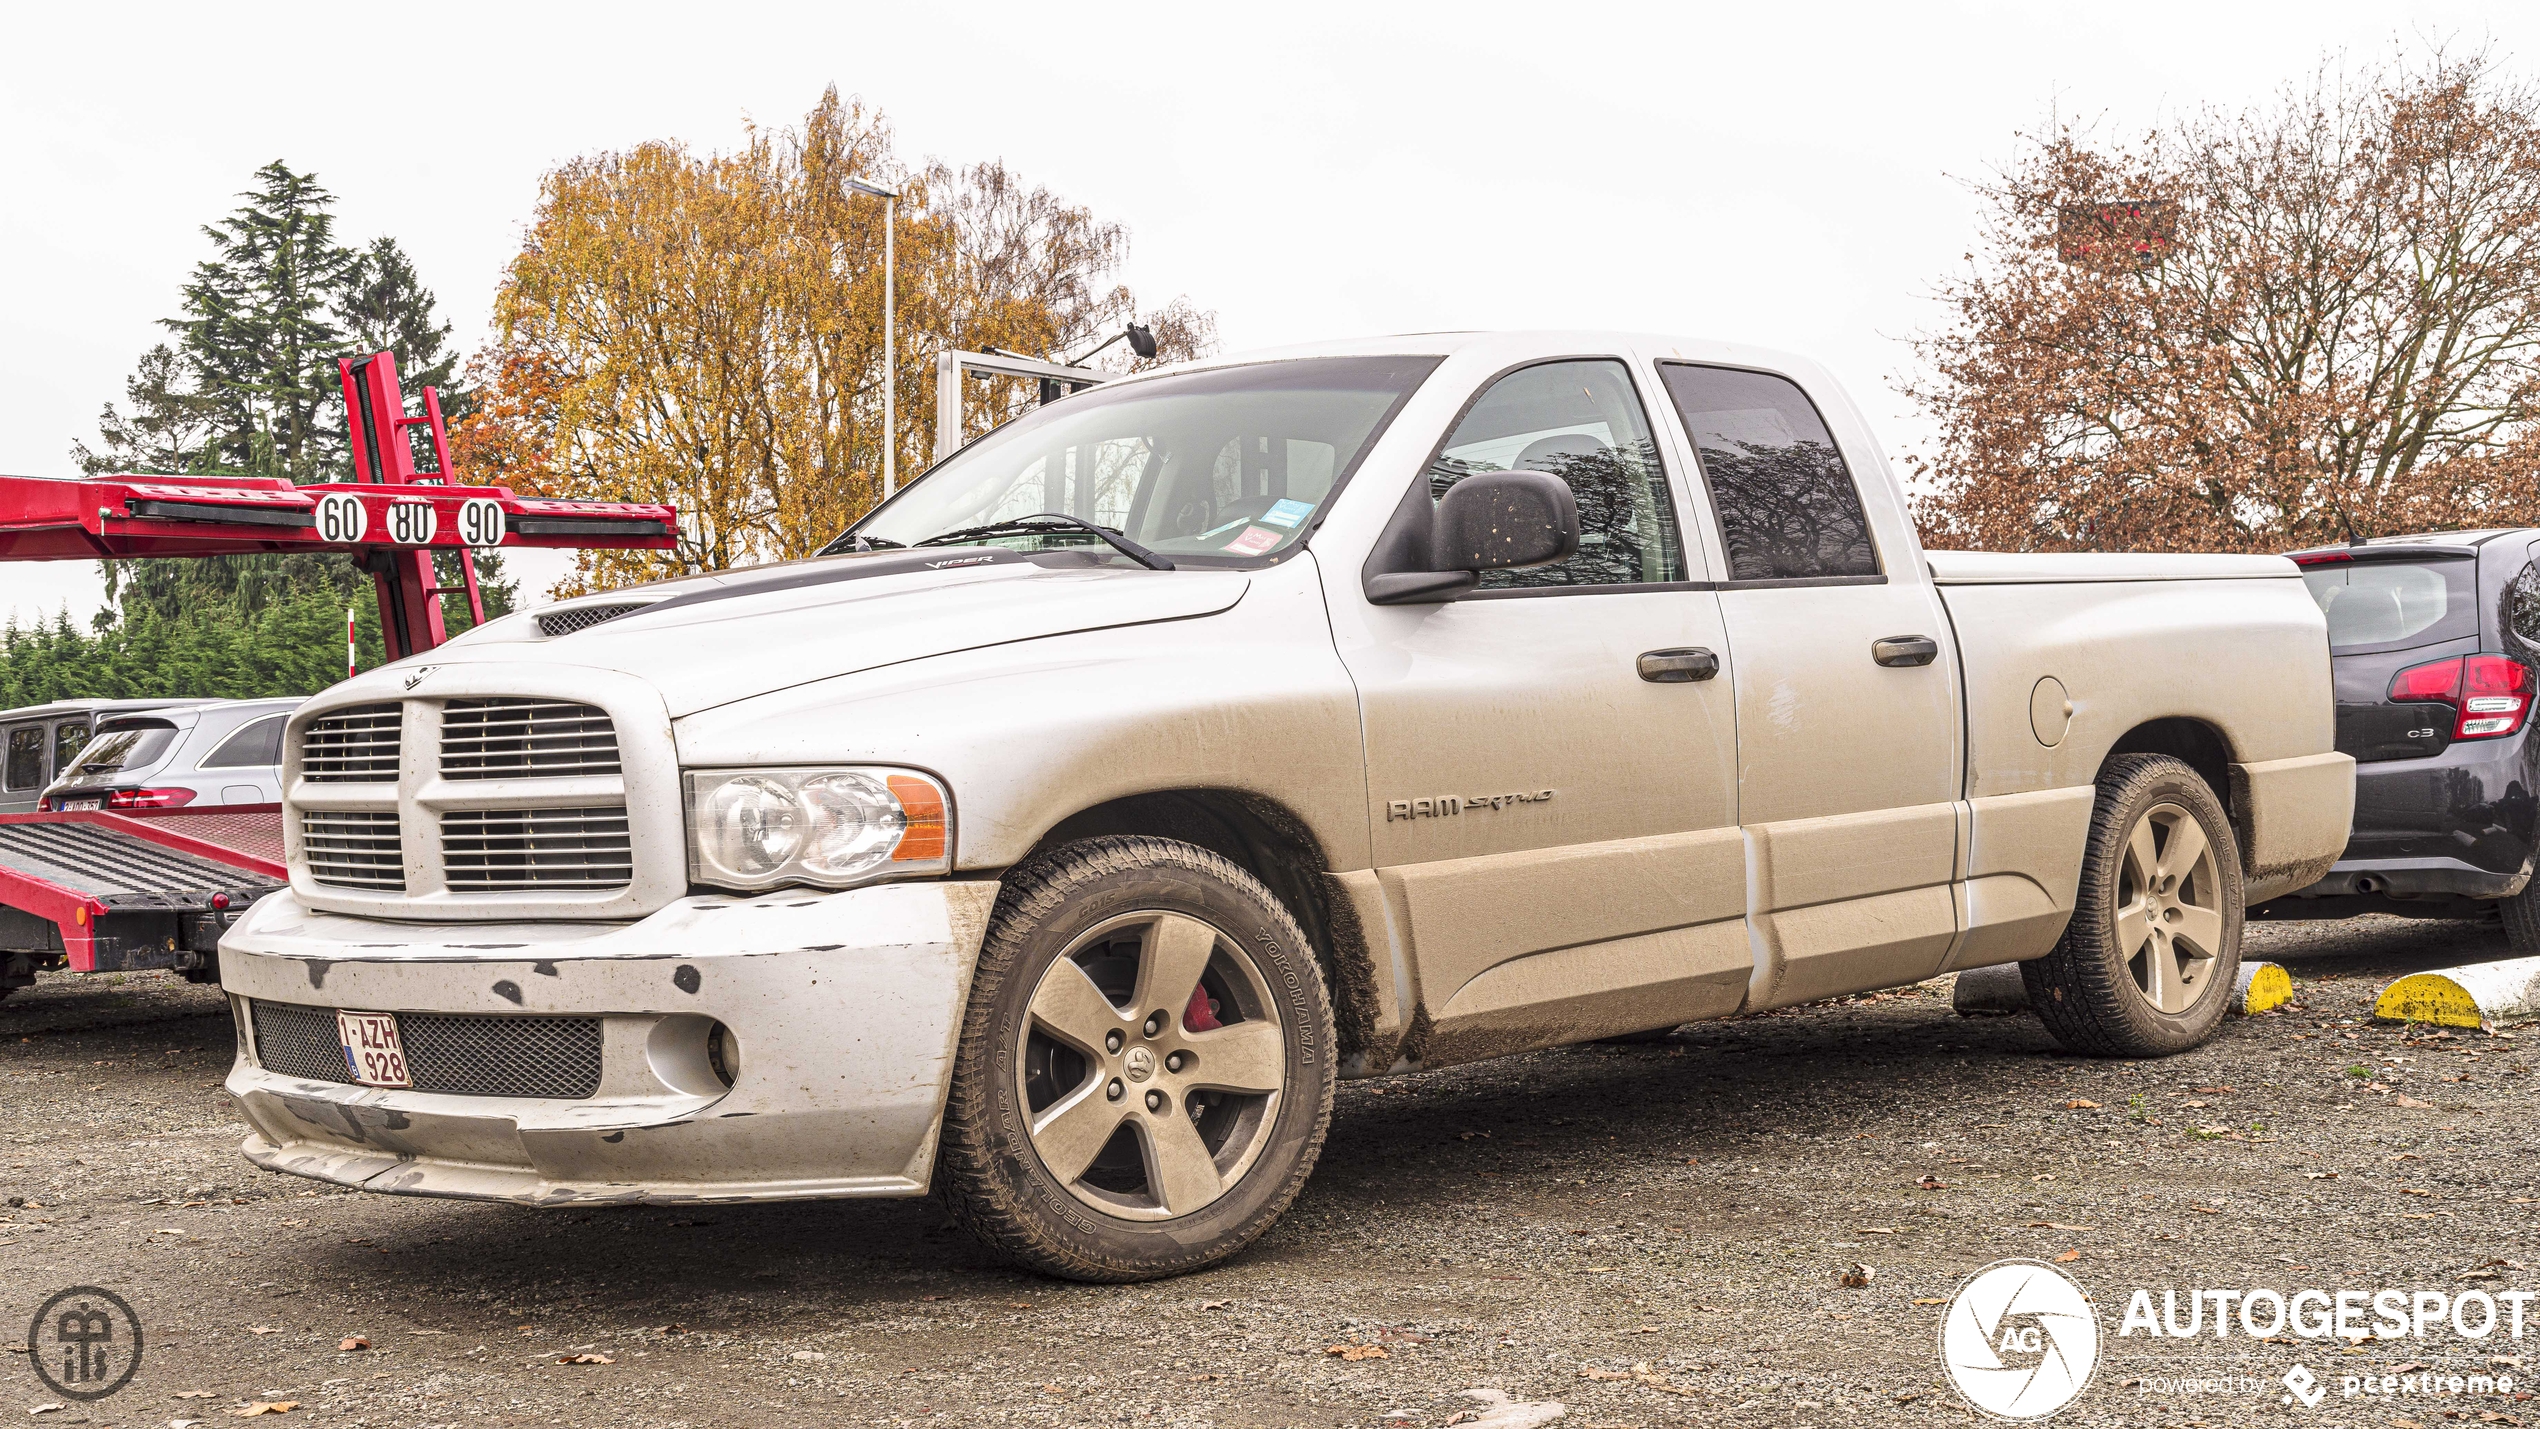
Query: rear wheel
<point>1145,1071</point>
<point>2146,966</point>
<point>2521,915</point>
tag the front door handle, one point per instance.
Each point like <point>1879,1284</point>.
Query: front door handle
<point>1677,667</point>
<point>1900,651</point>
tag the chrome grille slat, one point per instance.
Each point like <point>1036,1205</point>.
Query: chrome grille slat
<point>499,850</point>
<point>353,848</point>
<point>525,739</point>
<point>469,1055</point>
<point>353,746</point>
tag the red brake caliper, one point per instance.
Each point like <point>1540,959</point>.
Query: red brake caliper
<point>1199,1016</point>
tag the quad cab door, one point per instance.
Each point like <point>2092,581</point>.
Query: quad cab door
<point>1847,688</point>
<point>1551,758</point>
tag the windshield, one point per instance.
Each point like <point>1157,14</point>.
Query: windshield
<point>1226,467</point>
<point>122,745</point>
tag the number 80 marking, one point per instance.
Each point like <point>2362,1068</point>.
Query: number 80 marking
<point>411,523</point>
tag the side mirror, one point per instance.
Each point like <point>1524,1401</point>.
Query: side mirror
<point>1502,520</point>
<point>1489,521</point>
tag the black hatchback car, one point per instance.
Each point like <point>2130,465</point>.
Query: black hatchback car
<point>2433,640</point>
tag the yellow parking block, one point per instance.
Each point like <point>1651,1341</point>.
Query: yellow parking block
<point>2475,995</point>
<point>2264,987</point>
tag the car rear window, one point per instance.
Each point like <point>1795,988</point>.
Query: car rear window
<point>125,744</point>
<point>2391,605</point>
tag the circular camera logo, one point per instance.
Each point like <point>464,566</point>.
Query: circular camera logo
<point>2019,1340</point>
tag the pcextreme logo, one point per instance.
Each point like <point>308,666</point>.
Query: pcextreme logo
<point>2019,1340</point>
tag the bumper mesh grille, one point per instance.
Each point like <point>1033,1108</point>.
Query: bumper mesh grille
<point>353,849</point>
<point>525,739</point>
<point>445,1052</point>
<point>352,746</point>
<point>498,850</point>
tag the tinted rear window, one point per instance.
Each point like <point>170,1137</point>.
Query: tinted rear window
<point>2391,605</point>
<point>125,744</point>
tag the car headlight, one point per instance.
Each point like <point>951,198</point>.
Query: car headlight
<point>833,828</point>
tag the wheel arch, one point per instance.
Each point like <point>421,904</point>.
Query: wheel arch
<point>2197,743</point>
<point>1272,843</point>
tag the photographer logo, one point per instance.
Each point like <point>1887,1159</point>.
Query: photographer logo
<point>2019,1340</point>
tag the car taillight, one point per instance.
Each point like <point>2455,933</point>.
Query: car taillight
<point>148,798</point>
<point>2490,694</point>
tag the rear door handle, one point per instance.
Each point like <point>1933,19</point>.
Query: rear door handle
<point>1898,651</point>
<point>1677,667</point>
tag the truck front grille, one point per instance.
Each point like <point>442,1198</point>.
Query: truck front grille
<point>445,1052</point>
<point>525,739</point>
<point>352,746</point>
<point>507,850</point>
<point>354,848</point>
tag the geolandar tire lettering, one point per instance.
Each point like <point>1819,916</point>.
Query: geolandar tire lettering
<point>1145,1070</point>
<point>2146,966</point>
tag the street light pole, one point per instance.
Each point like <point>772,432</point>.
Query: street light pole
<point>890,344</point>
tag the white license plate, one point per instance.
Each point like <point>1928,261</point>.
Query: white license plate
<point>373,1049</point>
<point>82,803</point>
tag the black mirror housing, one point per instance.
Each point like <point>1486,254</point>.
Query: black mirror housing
<point>1503,520</point>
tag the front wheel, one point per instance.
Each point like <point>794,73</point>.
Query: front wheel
<point>1145,1070</point>
<point>2147,965</point>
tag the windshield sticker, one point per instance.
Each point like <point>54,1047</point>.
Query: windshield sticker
<point>1287,513</point>
<point>1254,541</point>
<point>1222,527</point>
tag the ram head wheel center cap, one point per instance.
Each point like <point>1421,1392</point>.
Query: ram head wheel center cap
<point>1139,1064</point>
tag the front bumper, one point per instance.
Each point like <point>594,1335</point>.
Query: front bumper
<point>845,1007</point>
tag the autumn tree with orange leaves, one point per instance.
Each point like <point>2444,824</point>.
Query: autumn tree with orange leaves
<point>2312,321</point>
<point>706,330</point>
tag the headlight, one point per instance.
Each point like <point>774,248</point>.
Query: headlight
<point>764,828</point>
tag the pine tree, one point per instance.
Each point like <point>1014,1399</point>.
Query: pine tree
<point>169,431</point>
<point>256,330</point>
<point>383,306</point>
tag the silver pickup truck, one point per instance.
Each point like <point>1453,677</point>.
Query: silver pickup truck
<point>1064,832</point>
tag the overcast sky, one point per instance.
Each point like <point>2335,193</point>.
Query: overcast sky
<point>1784,174</point>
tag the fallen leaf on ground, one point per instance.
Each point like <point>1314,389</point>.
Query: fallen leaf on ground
<point>45,1408</point>
<point>2081,1104</point>
<point>2319,1175</point>
<point>2413,1191</point>
<point>1932,1183</point>
<point>1931,1300</point>
<point>267,1406</point>
<point>264,1329</point>
<point>1855,1276</point>
<point>2068,1257</point>
<point>193,1394</point>
<point>2403,1099</point>
<point>353,1342</point>
<point>2205,1210</point>
<point>584,1359</point>
<point>1874,1230</point>
<point>2056,1226</point>
<point>1357,1352</point>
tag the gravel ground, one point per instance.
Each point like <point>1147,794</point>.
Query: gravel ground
<point>1647,1234</point>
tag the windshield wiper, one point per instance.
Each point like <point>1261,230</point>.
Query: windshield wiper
<point>1027,525</point>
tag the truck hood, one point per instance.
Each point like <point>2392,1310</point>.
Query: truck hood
<point>704,641</point>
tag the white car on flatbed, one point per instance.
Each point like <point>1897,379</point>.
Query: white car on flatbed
<point>1213,734</point>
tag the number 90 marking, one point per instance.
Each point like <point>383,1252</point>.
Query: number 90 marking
<point>481,522</point>
<point>341,521</point>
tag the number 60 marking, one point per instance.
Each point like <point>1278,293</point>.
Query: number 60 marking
<point>341,521</point>
<point>481,522</point>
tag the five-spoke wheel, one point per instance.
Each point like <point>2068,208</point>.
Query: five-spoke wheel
<point>1145,1071</point>
<point>2146,965</point>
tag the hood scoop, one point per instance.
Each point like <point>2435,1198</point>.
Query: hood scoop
<point>564,620</point>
